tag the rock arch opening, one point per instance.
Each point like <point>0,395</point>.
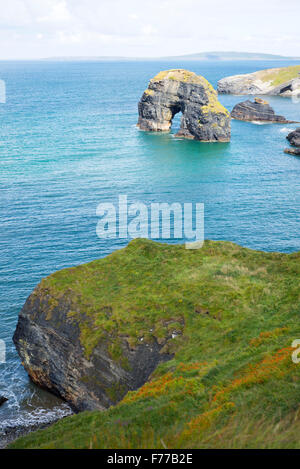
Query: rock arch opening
<point>176,119</point>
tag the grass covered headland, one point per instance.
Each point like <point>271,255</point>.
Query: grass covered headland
<point>231,382</point>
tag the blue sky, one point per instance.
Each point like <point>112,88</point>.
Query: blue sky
<point>46,28</point>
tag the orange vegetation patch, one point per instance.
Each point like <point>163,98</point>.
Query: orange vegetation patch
<point>258,373</point>
<point>263,336</point>
<point>191,366</point>
<point>170,382</point>
<point>203,421</point>
<point>162,385</point>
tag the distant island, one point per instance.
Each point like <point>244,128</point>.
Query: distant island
<point>199,56</point>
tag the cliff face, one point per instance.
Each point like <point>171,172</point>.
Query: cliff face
<point>52,355</point>
<point>75,348</point>
<point>258,110</point>
<point>277,81</point>
<point>173,91</point>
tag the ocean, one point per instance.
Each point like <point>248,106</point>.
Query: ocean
<point>69,141</point>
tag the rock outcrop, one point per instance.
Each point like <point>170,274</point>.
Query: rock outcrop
<point>293,151</point>
<point>294,137</point>
<point>275,81</point>
<point>259,110</point>
<point>173,91</point>
<point>2,400</point>
<point>78,338</point>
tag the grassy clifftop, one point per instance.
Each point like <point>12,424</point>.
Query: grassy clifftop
<point>278,76</point>
<point>233,313</point>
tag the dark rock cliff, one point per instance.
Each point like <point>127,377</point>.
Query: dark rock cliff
<point>258,110</point>
<point>48,341</point>
<point>173,91</point>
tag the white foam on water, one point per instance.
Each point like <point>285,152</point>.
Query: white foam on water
<point>38,416</point>
<point>261,122</point>
<point>27,406</point>
<point>284,130</point>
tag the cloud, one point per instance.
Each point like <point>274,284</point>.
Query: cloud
<point>139,28</point>
<point>58,13</point>
<point>148,30</point>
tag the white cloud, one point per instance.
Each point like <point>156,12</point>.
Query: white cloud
<point>41,28</point>
<point>69,38</point>
<point>148,30</point>
<point>58,13</point>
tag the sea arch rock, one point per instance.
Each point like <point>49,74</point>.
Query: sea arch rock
<point>172,91</point>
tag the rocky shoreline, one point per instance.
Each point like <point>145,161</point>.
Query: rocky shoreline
<point>12,433</point>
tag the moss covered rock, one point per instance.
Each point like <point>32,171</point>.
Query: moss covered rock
<point>172,91</point>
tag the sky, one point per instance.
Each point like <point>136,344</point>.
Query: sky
<point>32,29</point>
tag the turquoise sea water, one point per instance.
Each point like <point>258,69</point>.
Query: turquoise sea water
<point>68,141</point>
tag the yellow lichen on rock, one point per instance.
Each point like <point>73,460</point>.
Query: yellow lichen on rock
<point>214,104</point>
<point>179,74</point>
<point>149,92</point>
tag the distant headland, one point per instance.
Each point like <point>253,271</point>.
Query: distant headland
<point>215,55</point>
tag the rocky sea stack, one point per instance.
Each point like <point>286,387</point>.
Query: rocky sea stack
<point>172,91</point>
<point>259,110</point>
<point>274,81</point>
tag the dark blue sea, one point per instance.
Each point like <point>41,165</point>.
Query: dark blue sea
<point>69,141</point>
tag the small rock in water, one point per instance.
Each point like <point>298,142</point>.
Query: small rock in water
<point>2,400</point>
<point>294,137</point>
<point>293,151</point>
<point>259,110</point>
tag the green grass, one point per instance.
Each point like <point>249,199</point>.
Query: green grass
<point>231,382</point>
<point>278,76</point>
